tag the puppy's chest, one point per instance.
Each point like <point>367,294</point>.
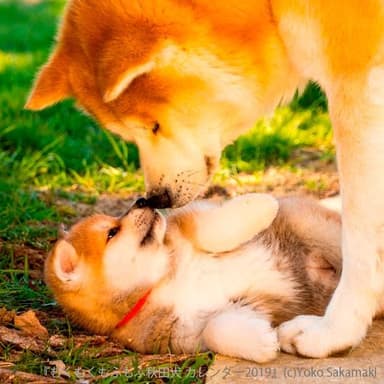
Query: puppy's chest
<point>204,285</point>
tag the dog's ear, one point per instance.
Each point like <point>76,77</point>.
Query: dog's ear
<point>66,262</point>
<point>117,74</point>
<point>118,82</point>
<point>52,83</point>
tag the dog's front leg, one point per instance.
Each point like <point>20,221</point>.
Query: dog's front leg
<point>357,111</point>
<point>225,227</point>
<point>241,332</point>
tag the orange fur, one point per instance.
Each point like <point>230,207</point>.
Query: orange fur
<point>87,240</point>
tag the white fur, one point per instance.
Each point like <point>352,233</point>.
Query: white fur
<point>375,89</point>
<point>204,285</point>
<point>131,267</point>
<point>333,203</point>
<point>132,260</point>
<point>243,333</point>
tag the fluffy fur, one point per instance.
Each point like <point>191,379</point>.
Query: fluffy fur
<point>184,78</point>
<point>277,260</point>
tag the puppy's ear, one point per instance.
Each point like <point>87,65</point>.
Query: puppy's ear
<point>66,262</point>
<point>52,84</point>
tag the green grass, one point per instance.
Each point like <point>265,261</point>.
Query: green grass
<point>273,141</point>
<point>60,154</point>
<point>83,362</point>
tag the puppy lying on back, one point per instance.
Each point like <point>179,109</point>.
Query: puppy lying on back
<point>207,276</point>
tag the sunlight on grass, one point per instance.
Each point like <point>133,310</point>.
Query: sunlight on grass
<point>16,61</point>
<point>273,141</point>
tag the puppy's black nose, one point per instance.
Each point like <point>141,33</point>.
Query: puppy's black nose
<point>141,202</point>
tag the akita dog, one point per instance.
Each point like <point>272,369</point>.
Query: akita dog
<point>183,78</point>
<point>206,276</point>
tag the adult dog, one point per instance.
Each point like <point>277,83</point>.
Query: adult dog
<point>183,78</point>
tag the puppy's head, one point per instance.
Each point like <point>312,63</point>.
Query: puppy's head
<point>103,264</point>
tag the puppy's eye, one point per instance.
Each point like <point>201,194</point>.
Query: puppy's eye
<point>112,232</point>
<point>155,128</point>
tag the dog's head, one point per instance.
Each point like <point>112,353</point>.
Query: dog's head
<point>104,263</point>
<point>169,76</point>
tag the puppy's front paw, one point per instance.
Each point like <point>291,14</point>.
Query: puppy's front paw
<point>315,336</point>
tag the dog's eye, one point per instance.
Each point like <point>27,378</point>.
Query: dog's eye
<point>112,232</point>
<point>155,128</point>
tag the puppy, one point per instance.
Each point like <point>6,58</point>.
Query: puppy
<point>206,276</point>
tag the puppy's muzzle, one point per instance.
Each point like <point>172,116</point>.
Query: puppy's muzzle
<point>141,202</point>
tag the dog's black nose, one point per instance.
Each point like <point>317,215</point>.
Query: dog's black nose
<point>161,199</point>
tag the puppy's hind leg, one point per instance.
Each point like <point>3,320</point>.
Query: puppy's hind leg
<point>243,333</point>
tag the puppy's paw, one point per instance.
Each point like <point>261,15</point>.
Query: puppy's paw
<point>256,210</point>
<point>241,333</point>
<point>265,347</point>
<point>315,336</point>
<point>260,204</point>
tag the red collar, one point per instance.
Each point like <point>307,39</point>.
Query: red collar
<point>134,311</point>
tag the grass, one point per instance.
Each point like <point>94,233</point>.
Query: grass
<point>61,155</point>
